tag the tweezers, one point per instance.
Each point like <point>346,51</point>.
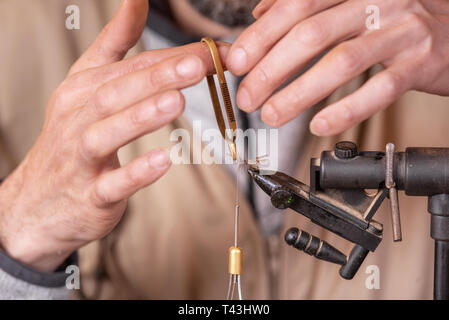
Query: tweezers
<point>232,124</point>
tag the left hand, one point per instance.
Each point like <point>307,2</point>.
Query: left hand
<point>412,44</point>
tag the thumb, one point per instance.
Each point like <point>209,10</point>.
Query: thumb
<point>119,35</point>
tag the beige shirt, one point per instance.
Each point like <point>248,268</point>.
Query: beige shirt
<point>172,243</point>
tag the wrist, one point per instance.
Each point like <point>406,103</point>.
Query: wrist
<point>34,254</point>
<point>26,244</point>
<point>20,238</point>
<point>21,272</point>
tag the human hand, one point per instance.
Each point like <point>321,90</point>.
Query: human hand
<point>71,189</point>
<point>412,44</point>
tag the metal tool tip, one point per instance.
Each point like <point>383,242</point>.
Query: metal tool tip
<point>253,170</point>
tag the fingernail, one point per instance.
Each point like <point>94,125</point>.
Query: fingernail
<point>270,115</point>
<point>319,127</point>
<point>238,60</point>
<point>159,160</point>
<point>244,99</point>
<point>168,103</point>
<point>188,67</point>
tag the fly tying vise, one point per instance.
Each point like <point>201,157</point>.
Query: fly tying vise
<point>229,135</point>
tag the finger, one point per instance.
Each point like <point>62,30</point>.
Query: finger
<point>377,94</point>
<point>89,81</point>
<point>120,184</point>
<point>258,39</point>
<point>262,8</point>
<point>150,58</point>
<point>118,94</point>
<point>339,66</point>
<point>106,136</point>
<point>119,35</point>
<point>304,42</point>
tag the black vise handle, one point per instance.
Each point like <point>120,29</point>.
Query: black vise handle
<point>322,250</point>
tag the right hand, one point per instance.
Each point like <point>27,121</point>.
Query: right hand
<point>70,189</point>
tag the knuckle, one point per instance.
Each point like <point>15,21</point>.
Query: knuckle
<point>256,39</point>
<point>100,196</point>
<point>407,4</point>
<point>77,80</point>
<point>412,5</point>
<point>425,52</point>
<point>101,100</point>
<point>61,96</point>
<point>427,49</point>
<point>391,84</point>
<point>299,6</point>
<point>144,60</point>
<point>140,62</point>
<point>291,100</point>
<point>295,98</point>
<point>89,145</point>
<point>420,25</point>
<point>311,32</point>
<point>264,74</point>
<point>347,58</point>
<point>422,30</point>
<point>135,118</point>
<point>347,114</point>
<point>132,180</point>
<point>157,77</point>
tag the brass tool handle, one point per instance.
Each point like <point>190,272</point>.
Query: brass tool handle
<point>226,98</point>
<point>235,260</point>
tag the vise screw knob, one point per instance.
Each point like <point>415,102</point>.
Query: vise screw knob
<point>345,150</point>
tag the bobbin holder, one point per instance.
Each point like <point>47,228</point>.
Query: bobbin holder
<point>346,189</point>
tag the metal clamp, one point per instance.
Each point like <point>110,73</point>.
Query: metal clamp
<point>393,193</point>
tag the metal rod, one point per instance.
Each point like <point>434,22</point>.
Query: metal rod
<point>441,275</point>
<point>395,215</point>
<point>228,295</point>
<point>389,155</point>
<point>236,225</point>
<point>231,287</point>
<point>239,287</point>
